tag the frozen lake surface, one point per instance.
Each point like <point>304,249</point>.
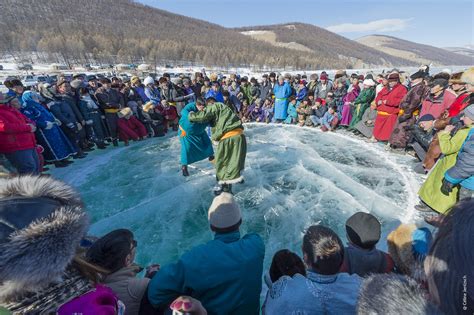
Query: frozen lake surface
<point>294,177</point>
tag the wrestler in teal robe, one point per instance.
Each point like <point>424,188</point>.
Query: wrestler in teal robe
<point>195,143</point>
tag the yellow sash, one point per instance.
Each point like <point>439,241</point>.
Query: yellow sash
<point>235,132</point>
<point>183,133</point>
<point>384,113</point>
<point>111,110</point>
<point>415,113</point>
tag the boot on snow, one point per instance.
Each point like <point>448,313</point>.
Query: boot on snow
<point>184,169</point>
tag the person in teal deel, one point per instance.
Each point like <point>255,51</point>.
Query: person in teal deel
<point>195,143</point>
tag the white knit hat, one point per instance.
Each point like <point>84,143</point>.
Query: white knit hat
<point>369,82</point>
<point>224,212</point>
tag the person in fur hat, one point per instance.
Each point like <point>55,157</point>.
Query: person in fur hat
<point>408,246</point>
<point>40,265</point>
<point>228,131</point>
<point>409,110</point>
<point>388,106</point>
<point>393,294</point>
<point>129,127</point>
<point>449,116</point>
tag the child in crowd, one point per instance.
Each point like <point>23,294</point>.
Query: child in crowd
<point>153,120</point>
<point>304,111</point>
<point>292,114</point>
<point>129,127</point>
<point>317,112</point>
<point>243,114</point>
<point>330,119</point>
<point>267,111</point>
<point>170,114</point>
<point>255,111</point>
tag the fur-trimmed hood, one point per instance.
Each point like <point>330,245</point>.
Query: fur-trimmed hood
<point>40,247</point>
<point>393,294</point>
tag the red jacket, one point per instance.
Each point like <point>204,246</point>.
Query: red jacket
<point>459,104</point>
<point>391,99</point>
<point>15,134</point>
<point>169,113</point>
<point>436,106</point>
<point>131,128</point>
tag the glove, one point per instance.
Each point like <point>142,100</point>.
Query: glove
<point>151,271</point>
<point>58,122</point>
<point>89,122</point>
<point>49,125</point>
<point>70,125</point>
<point>79,126</point>
<point>446,187</point>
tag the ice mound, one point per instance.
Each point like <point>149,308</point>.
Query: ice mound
<point>294,177</point>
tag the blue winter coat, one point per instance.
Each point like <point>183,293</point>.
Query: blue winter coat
<point>153,95</point>
<point>302,94</point>
<point>217,95</point>
<point>140,90</point>
<point>55,143</point>
<point>282,92</point>
<point>195,143</point>
<point>463,171</point>
<point>225,274</point>
<point>292,114</point>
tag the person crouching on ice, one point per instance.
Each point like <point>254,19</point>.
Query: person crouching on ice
<point>129,127</point>
<point>228,131</point>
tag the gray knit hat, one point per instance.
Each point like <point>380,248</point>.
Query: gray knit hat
<point>224,212</point>
<point>469,111</point>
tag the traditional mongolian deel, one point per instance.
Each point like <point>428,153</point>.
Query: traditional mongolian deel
<point>282,93</point>
<point>387,110</point>
<point>228,131</point>
<point>195,143</point>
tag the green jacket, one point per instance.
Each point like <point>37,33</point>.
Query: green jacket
<point>361,103</point>
<point>247,91</point>
<point>220,117</point>
<point>430,192</point>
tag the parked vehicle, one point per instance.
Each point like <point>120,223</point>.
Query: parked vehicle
<point>24,66</point>
<point>29,80</point>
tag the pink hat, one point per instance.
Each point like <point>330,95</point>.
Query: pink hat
<point>101,301</point>
<point>323,76</point>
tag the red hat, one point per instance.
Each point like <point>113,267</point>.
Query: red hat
<point>323,76</point>
<point>303,82</point>
<point>320,101</point>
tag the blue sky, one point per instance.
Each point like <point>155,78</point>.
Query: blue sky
<point>439,23</point>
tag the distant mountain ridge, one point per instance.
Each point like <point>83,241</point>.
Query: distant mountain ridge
<point>423,54</point>
<point>123,31</point>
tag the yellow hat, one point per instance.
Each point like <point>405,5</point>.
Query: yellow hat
<point>148,106</point>
<point>468,76</point>
<point>125,112</point>
<point>135,79</point>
